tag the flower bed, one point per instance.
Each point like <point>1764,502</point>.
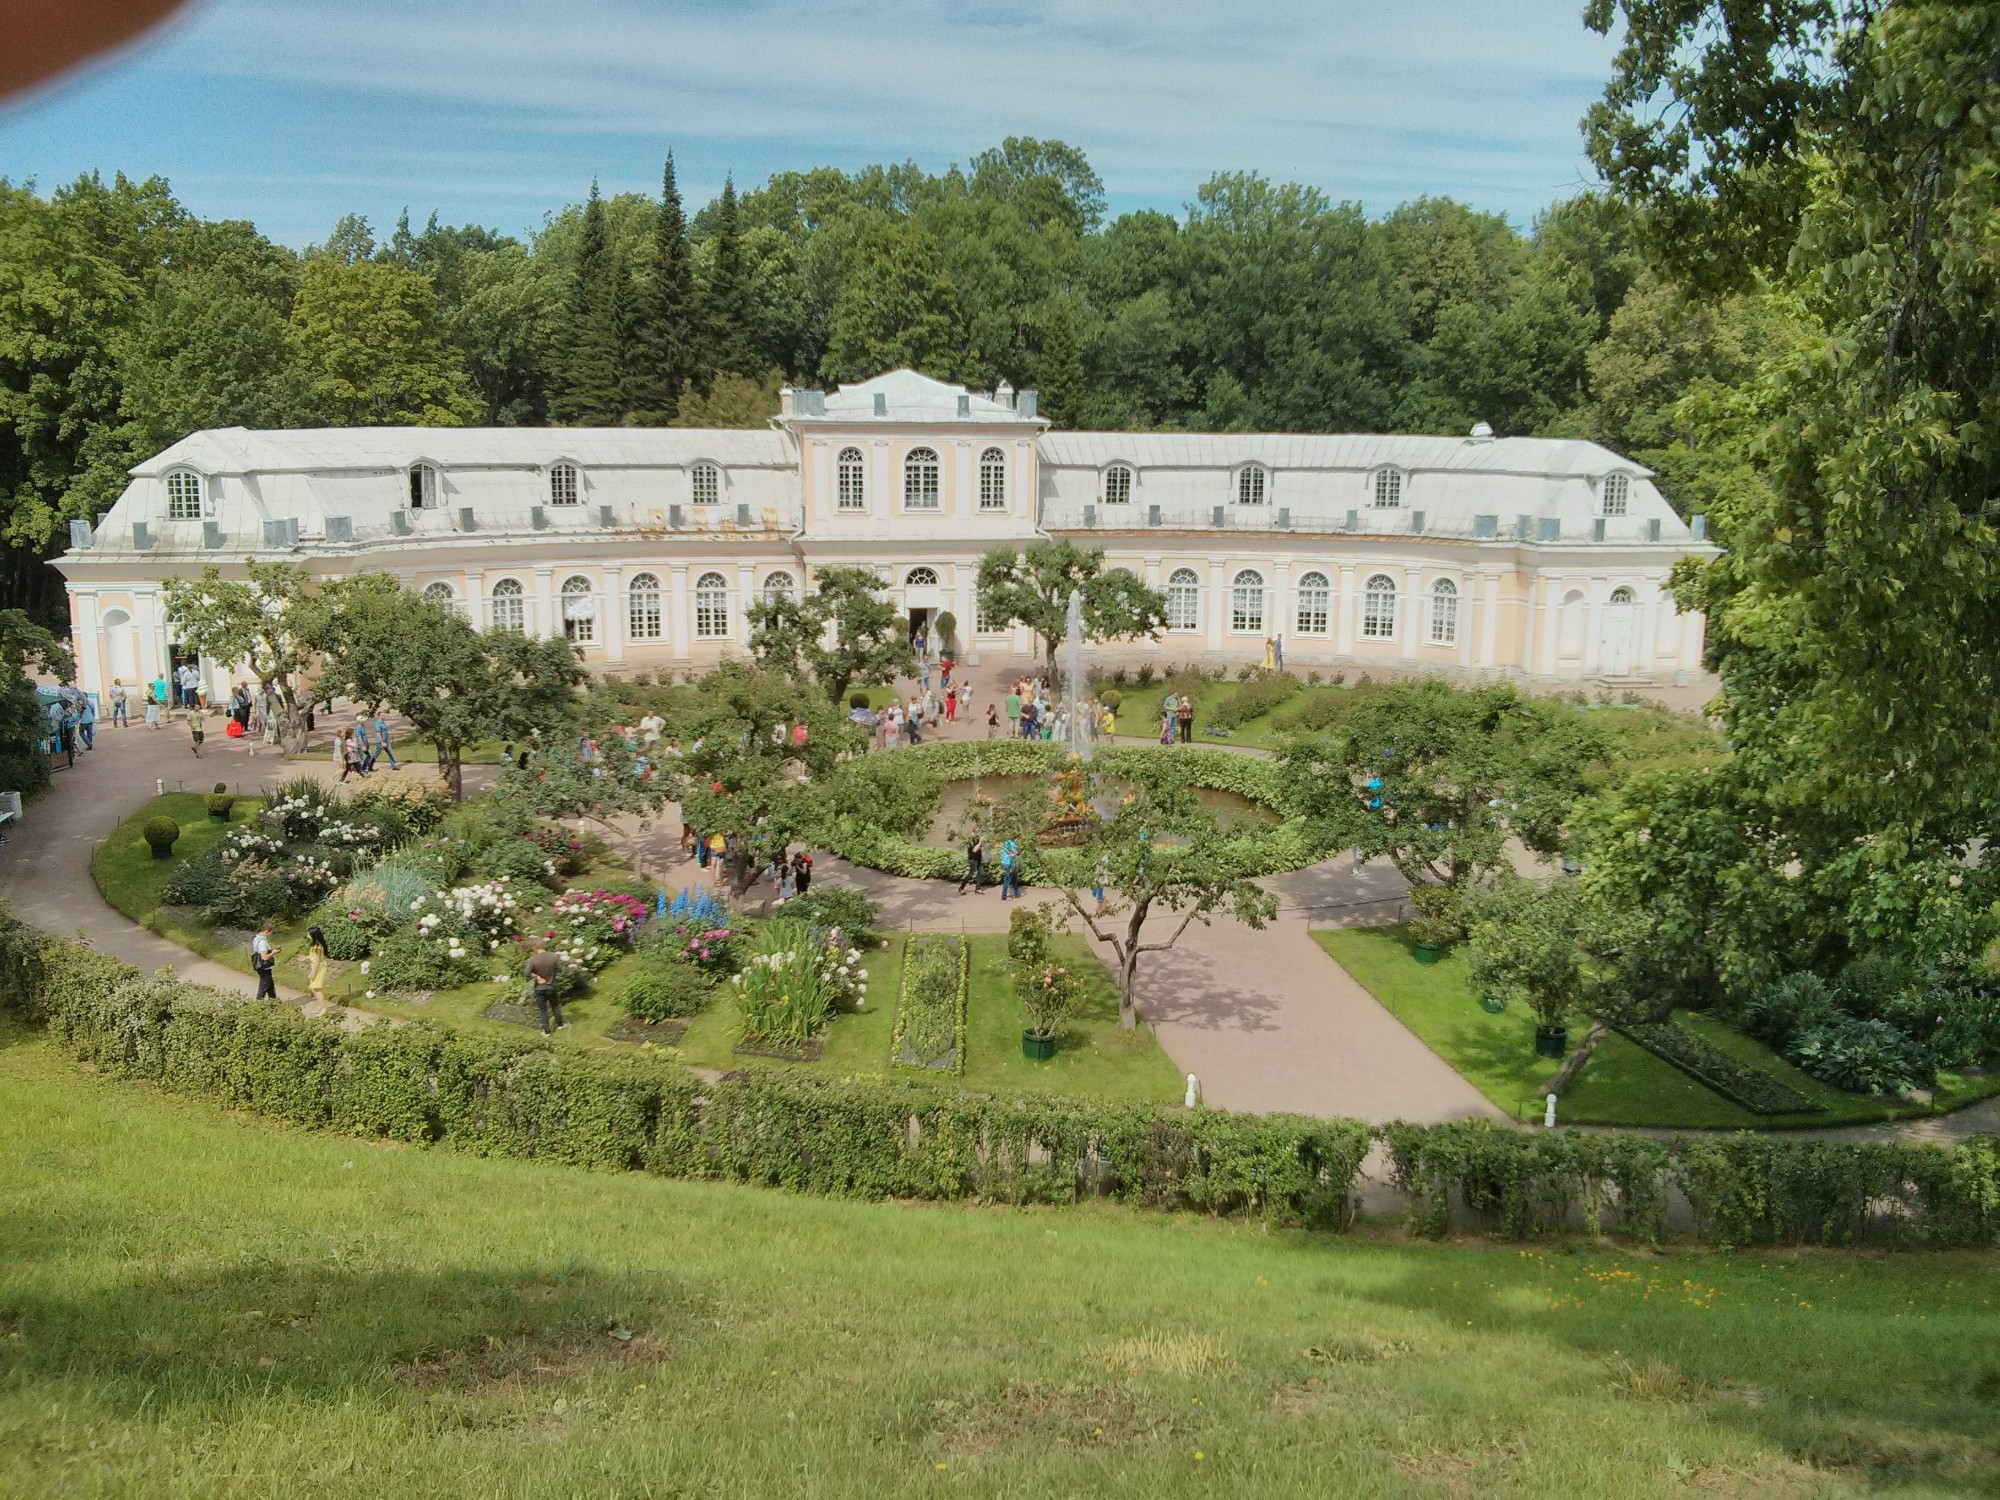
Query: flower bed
<point>791,990</point>
<point>1707,1064</point>
<point>852,828</point>
<point>930,1005</point>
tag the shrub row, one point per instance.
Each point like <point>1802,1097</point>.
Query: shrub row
<point>1737,1081</point>
<point>896,1139</point>
<point>1740,1189</point>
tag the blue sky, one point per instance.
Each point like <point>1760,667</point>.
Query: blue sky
<point>496,111</point>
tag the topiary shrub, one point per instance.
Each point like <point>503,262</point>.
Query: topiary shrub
<point>161,834</point>
<point>947,625</point>
<point>662,990</point>
<point>1111,698</point>
<point>857,699</point>
<point>219,804</point>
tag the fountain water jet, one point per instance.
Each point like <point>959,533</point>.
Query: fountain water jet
<point>1078,737</point>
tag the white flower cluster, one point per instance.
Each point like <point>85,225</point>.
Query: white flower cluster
<point>247,843</point>
<point>353,835</point>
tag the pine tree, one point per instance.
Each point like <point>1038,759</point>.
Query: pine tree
<point>665,334</point>
<point>1059,370</point>
<point>728,315</point>
<point>592,388</point>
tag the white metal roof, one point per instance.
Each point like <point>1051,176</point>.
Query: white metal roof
<point>239,450</point>
<point>911,397</point>
<point>1351,451</point>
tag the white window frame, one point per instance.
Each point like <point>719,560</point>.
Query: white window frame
<point>565,484</point>
<point>993,479</point>
<point>1443,629</point>
<point>923,488</point>
<point>1614,495</point>
<point>705,484</point>
<point>180,482</point>
<point>1184,601</point>
<point>850,480</point>
<point>1378,624</point>
<point>644,620</point>
<point>928,580</point>
<point>440,592</point>
<point>1242,596</point>
<point>1312,613</point>
<point>1631,596</point>
<point>983,623</point>
<point>582,632</point>
<point>1118,482</point>
<point>776,582</point>
<point>1385,488</point>
<point>516,595</point>
<point>426,486</point>
<point>1253,484</point>
<point>711,608</point>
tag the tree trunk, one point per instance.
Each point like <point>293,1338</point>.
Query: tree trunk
<point>451,769</point>
<point>1128,962</point>
<point>1573,1065</point>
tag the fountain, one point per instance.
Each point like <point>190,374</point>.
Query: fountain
<point>1071,682</point>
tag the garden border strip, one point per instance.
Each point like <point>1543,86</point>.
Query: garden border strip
<point>874,1139</point>
<point>1714,1069</point>
<point>960,1001</point>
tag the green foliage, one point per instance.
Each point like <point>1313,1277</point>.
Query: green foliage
<point>1526,946</point>
<point>842,633</point>
<point>1049,991</point>
<point>371,345</point>
<point>25,650</point>
<point>1738,1082</point>
<point>660,989</point>
<point>795,983</point>
<point>845,907</point>
<point>219,805</point>
<point>931,1003</point>
<point>1031,586</point>
<point>1259,696</point>
<point>405,962</point>
<point>1863,1057</point>
<point>160,835</point>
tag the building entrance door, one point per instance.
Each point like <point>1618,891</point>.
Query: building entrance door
<point>1617,645</point>
<point>923,629</point>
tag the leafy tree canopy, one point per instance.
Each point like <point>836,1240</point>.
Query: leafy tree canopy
<point>842,633</point>
<point>1032,585</point>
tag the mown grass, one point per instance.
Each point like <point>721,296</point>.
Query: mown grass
<point>1623,1084</point>
<point>196,1304</point>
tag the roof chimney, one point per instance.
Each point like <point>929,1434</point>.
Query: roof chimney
<point>1482,432</point>
<point>1004,394</point>
<point>786,403</point>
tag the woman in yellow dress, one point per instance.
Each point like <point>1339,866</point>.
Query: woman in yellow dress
<point>1269,661</point>
<point>316,963</point>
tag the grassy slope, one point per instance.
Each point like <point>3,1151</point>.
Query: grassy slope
<point>195,1304</point>
<point>1623,1085</point>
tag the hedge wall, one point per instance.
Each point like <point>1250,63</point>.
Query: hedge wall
<point>894,1139</point>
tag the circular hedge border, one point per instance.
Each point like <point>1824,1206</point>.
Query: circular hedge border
<point>1267,851</point>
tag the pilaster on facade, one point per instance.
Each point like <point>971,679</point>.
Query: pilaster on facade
<point>1414,623</point>
<point>680,619</point>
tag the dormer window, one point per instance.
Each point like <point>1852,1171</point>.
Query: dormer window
<point>564,488</point>
<point>1250,485</point>
<point>1388,489</point>
<point>186,496</point>
<point>423,487</point>
<point>707,484</point>
<point>1118,485</point>
<point>1616,495</point>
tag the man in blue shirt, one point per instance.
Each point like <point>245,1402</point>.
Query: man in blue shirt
<point>1010,875</point>
<point>382,741</point>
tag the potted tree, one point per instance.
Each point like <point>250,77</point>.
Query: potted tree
<point>1525,946</point>
<point>1049,989</point>
<point>1439,923</point>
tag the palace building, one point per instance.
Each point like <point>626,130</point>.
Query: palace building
<point>1532,558</point>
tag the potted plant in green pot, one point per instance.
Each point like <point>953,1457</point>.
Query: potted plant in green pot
<point>1049,989</point>
<point>1524,944</point>
<point>1439,922</point>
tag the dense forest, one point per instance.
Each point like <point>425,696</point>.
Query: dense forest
<point>126,322</point>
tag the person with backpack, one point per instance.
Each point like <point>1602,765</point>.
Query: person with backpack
<point>1010,871</point>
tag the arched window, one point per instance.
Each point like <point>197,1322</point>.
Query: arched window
<point>1444,613</point>
<point>184,496</point>
<point>1118,485</point>
<point>920,479</point>
<point>921,578</point>
<point>1388,489</point>
<point>1623,595</point>
<point>1250,485</point>
<point>642,607</point>
<point>579,610</point>
<point>706,483</point>
<point>507,611</point>
<point>1246,602</point>
<point>1617,494</point>
<point>440,593</point>
<point>711,607</point>
<point>992,480</point>
<point>850,483</point>
<point>1183,600</point>
<point>423,487</point>
<point>1378,609</point>
<point>1315,605</point>
<point>777,586</point>
<point>1572,622</point>
<point>563,487</point>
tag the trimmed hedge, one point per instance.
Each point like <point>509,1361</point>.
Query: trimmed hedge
<point>1739,1082</point>
<point>864,840</point>
<point>867,1138</point>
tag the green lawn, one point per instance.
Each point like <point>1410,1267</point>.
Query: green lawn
<point>413,750</point>
<point>1623,1083</point>
<point>197,1304</point>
